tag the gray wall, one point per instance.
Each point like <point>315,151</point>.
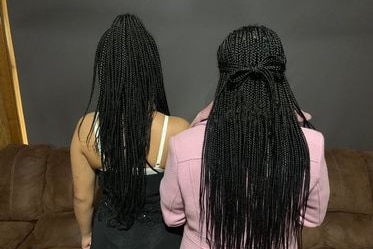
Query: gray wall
<point>328,45</point>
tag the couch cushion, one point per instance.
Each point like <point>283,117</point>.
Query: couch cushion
<point>56,230</point>
<point>350,188</point>
<point>58,194</point>
<point>13,233</point>
<point>64,248</point>
<point>369,160</point>
<point>346,231</point>
<point>311,237</point>
<point>22,173</point>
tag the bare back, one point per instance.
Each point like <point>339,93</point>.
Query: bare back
<point>175,125</point>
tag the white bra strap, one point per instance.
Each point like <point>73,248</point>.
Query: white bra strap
<point>95,132</point>
<point>161,143</point>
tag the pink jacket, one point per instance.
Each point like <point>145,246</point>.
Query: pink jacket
<point>181,182</point>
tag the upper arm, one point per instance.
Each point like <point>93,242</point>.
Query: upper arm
<point>82,173</point>
<point>171,199</point>
<point>319,193</point>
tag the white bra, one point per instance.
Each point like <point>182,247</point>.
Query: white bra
<point>149,170</point>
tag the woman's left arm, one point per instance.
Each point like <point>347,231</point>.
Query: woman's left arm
<point>318,199</point>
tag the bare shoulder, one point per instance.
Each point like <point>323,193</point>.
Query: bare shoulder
<point>178,124</point>
<point>85,123</point>
<point>83,127</point>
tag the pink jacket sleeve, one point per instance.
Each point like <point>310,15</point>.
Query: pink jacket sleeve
<point>319,194</point>
<point>171,202</point>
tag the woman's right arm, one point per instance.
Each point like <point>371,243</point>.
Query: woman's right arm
<point>84,187</point>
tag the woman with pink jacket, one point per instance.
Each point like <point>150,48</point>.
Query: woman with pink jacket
<point>247,175</point>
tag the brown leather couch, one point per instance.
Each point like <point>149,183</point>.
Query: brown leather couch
<point>36,208</point>
<point>349,220</point>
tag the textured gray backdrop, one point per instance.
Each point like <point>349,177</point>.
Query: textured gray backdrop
<point>328,46</point>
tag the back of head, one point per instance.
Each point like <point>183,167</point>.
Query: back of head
<point>255,173</point>
<point>127,63</point>
<point>128,69</point>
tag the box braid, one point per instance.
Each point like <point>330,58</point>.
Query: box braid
<point>128,69</point>
<point>256,166</point>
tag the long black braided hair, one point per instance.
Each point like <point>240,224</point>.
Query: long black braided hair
<point>128,69</point>
<point>256,165</point>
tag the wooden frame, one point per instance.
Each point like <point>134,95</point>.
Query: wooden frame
<point>12,122</point>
